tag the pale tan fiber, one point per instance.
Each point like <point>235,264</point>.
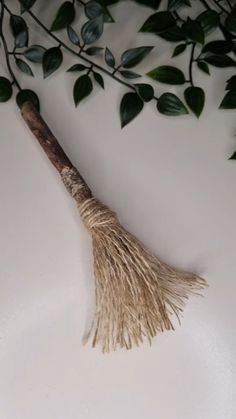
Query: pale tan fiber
<point>136,293</point>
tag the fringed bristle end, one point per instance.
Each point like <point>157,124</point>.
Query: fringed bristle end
<point>136,293</point>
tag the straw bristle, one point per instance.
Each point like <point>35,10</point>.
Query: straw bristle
<point>136,293</point>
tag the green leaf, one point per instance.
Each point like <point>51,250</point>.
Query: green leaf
<point>220,60</point>
<point>131,105</point>
<point>82,88</point>
<point>5,89</point>
<point>52,60</point>
<point>218,47</point>
<point>169,104</point>
<point>229,101</point>
<point>128,74</point>
<point>99,79</point>
<point>26,4</point>
<point>203,67</point>
<point>35,53</point>
<point>230,22</point>
<point>93,50</point>
<point>73,36</point>
<point>231,83</point>
<point>145,91</point>
<point>195,99</point>
<point>92,30</point>
<point>77,67</point>
<point>233,157</point>
<point>209,21</point>
<point>158,22</point>
<point>24,67</point>
<point>19,30</point>
<point>154,4</point>
<point>134,56</point>
<point>109,58</point>
<point>167,74</point>
<point>179,49</point>
<point>27,95</point>
<point>94,9</point>
<point>64,17</point>
<point>173,34</point>
<point>194,31</point>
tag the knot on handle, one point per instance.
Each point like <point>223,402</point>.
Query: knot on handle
<point>93,213</point>
<point>96,215</point>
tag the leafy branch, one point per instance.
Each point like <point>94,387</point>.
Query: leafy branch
<point>166,23</point>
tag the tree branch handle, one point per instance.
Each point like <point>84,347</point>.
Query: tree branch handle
<point>71,178</point>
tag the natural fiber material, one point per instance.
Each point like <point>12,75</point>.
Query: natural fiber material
<point>136,293</point>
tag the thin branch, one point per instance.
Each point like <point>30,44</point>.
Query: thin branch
<point>191,64</point>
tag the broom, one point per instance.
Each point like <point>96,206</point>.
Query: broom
<point>136,293</point>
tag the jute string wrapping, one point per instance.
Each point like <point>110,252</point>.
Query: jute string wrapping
<point>136,293</point>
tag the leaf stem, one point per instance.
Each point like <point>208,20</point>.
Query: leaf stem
<point>191,64</point>
<point>90,69</point>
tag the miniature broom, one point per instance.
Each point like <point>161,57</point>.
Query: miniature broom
<point>136,293</point>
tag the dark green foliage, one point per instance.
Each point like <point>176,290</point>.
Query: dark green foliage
<point>174,21</point>
<point>169,104</point>
<point>19,31</point>
<point>82,88</point>
<point>24,67</point>
<point>64,17</point>
<point>52,60</point>
<point>134,56</point>
<point>167,74</point>
<point>195,99</point>
<point>5,89</point>
<point>158,22</point>
<point>131,105</point>
<point>92,30</point>
<point>145,91</point>
<point>35,53</point>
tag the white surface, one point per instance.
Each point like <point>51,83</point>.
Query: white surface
<point>171,184</point>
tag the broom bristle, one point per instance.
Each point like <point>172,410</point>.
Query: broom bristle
<point>136,293</point>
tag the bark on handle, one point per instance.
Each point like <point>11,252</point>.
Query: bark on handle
<point>72,179</point>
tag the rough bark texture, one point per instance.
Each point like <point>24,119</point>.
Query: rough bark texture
<point>69,174</point>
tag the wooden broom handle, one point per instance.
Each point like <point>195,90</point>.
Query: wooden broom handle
<point>52,148</point>
<point>45,137</point>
